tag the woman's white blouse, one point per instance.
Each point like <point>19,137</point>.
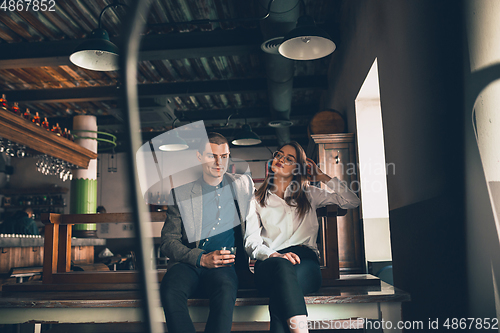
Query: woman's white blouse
<point>277,225</point>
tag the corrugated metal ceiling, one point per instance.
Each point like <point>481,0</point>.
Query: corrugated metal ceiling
<point>74,20</point>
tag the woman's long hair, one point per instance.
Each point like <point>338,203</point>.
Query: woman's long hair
<point>298,184</point>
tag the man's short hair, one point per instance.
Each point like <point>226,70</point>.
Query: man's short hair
<point>214,138</point>
<point>28,210</point>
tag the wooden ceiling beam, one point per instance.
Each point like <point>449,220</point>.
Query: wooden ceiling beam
<point>242,113</point>
<point>257,122</point>
<point>153,47</point>
<point>89,94</point>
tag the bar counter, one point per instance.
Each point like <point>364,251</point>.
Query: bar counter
<point>27,251</point>
<point>20,241</point>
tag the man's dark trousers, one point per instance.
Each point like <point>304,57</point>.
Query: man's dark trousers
<point>184,281</point>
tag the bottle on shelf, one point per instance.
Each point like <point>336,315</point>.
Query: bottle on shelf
<point>70,136</point>
<point>56,129</point>
<point>45,124</point>
<point>65,133</point>
<point>36,119</point>
<point>27,114</point>
<point>3,102</point>
<point>15,108</point>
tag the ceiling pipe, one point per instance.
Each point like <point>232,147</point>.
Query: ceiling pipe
<point>279,70</point>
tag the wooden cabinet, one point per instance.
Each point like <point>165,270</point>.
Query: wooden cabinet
<point>336,156</point>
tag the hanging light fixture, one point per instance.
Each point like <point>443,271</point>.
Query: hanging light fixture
<point>173,142</point>
<point>306,41</point>
<point>246,137</point>
<point>97,53</point>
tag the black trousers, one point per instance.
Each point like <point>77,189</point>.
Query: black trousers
<point>184,281</point>
<point>286,284</point>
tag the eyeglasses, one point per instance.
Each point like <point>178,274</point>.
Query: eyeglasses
<point>288,159</point>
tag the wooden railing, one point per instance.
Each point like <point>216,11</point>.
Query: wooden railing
<point>57,249</point>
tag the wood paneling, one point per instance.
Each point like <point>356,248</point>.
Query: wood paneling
<point>11,257</point>
<point>82,254</point>
<point>20,257</point>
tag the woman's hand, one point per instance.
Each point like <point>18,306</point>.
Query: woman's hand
<point>315,174</point>
<point>290,256</point>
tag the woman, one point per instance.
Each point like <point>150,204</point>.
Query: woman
<point>281,233</point>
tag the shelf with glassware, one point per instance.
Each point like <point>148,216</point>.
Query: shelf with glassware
<point>43,200</point>
<point>19,133</point>
<point>37,210</point>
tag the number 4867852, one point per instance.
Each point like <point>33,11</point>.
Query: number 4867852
<point>26,5</point>
<point>470,323</point>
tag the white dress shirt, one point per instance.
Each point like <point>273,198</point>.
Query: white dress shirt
<point>278,226</point>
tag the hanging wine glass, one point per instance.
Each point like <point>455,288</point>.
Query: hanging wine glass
<point>21,151</point>
<point>10,149</point>
<point>52,166</point>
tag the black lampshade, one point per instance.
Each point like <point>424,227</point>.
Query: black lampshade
<point>96,53</point>
<point>246,137</point>
<point>306,41</point>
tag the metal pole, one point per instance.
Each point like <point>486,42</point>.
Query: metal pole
<point>129,57</point>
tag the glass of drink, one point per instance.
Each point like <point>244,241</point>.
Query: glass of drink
<point>232,249</point>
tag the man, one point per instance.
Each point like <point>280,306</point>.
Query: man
<point>207,215</point>
<point>100,210</point>
<point>21,223</point>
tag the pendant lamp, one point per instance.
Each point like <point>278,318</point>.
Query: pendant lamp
<point>97,53</point>
<point>246,137</point>
<point>175,143</point>
<point>306,41</point>
<point>171,141</point>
